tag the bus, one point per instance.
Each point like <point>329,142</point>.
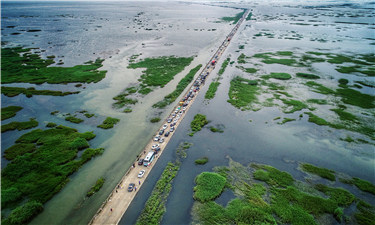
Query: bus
<point>149,157</point>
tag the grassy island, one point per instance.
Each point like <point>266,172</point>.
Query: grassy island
<point>41,162</point>
<point>9,112</point>
<point>99,183</point>
<point>19,125</point>
<point>29,92</point>
<point>197,124</point>
<point>108,123</point>
<point>21,65</point>
<point>243,92</point>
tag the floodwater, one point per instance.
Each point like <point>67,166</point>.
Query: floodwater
<point>115,31</point>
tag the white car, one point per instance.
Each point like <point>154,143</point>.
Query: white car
<point>161,140</point>
<point>157,138</point>
<point>165,126</point>
<point>175,120</point>
<point>155,146</point>
<point>141,173</point>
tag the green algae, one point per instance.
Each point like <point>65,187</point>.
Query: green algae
<point>295,104</point>
<point>155,120</point>
<point>224,66</point>
<point>108,123</point>
<point>184,82</point>
<point>317,101</point>
<point>19,65</point>
<point>38,173</point>
<point>29,92</point>
<point>50,125</point>
<point>235,18</point>
<point>19,125</point>
<point>9,112</point>
<point>286,120</point>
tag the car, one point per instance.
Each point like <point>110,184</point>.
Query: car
<point>161,140</point>
<point>175,120</point>
<point>155,146</point>
<point>169,120</point>
<point>180,112</point>
<point>173,124</point>
<point>140,162</point>
<point>157,138</point>
<point>165,126</point>
<point>161,132</point>
<point>131,187</point>
<point>157,149</point>
<point>173,115</point>
<point>166,134</point>
<point>178,116</point>
<point>172,129</point>
<point>176,111</point>
<point>141,173</point>
<point>184,108</point>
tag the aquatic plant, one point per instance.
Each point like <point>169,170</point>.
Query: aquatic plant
<point>279,76</point>
<point>108,123</point>
<point>322,172</point>
<point>235,18</point>
<point>224,66</point>
<point>19,65</point>
<point>99,183</point>
<point>155,120</point>
<point>9,112</point>
<point>198,122</point>
<point>73,119</point>
<point>38,173</point>
<point>184,82</point>
<point>19,125</point>
<point>211,91</point>
<point>307,75</point>
<point>29,92</point>
<point>201,161</point>
<point>286,120</point>
<point>209,186</point>
<point>243,92</point>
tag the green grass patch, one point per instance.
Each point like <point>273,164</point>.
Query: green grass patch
<point>155,120</point>
<point>250,70</point>
<point>317,101</point>
<point>19,125</point>
<point>241,59</point>
<point>249,16</point>
<point>243,93</point>
<point>99,183</point>
<point>345,116</point>
<point>201,161</point>
<point>198,122</point>
<point>235,18</point>
<point>322,172</point>
<point>73,119</point>
<point>211,91</point>
<point>272,176</point>
<point>89,115</point>
<point>356,98</point>
<point>317,120</point>
<point>51,125</point>
<point>286,120</point>
<point>339,195</point>
<point>42,170</point>
<point>279,76</point>
<point>209,186</point>
<point>23,214</point>
<point>29,92</point>
<point>159,71</point>
<point>9,112</point>
<point>307,75</point>
<point>108,123</point>
<point>363,185</point>
<point>216,129</point>
<point>128,110</point>
<point>19,65</point>
<point>295,104</point>
<point>224,66</point>
<point>184,82</point>
<point>319,88</point>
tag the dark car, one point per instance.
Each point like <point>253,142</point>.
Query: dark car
<point>166,134</point>
<point>131,187</point>
<point>140,162</point>
<point>161,132</point>
<point>172,129</point>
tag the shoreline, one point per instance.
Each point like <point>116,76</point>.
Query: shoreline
<point>113,208</point>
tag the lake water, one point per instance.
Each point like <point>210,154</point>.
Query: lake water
<point>77,32</point>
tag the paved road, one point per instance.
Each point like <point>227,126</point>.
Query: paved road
<point>119,200</point>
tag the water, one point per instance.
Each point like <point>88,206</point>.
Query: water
<point>75,31</point>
